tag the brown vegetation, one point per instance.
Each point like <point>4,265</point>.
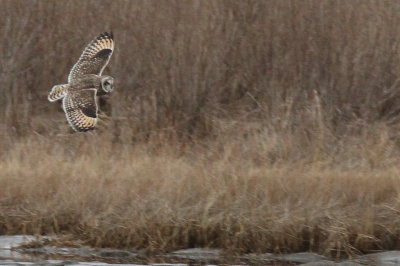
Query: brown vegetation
<point>248,125</point>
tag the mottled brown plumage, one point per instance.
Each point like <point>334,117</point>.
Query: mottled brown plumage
<point>81,109</point>
<point>94,58</point>
<point>84,80</point>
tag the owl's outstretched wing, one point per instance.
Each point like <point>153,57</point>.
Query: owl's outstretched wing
<point>94,58</point>
<point>81,109</point>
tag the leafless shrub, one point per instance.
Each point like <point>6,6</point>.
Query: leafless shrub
<point>180,64</point>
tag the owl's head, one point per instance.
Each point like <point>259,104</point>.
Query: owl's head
<point>107,83</point>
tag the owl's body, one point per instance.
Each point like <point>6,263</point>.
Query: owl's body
<point>84,83</point>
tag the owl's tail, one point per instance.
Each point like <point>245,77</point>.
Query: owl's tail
<point>58,92</point>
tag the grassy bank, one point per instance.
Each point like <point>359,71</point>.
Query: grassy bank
<point>255,193</point>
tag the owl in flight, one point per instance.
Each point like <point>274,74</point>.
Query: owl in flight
<point>84,83</point>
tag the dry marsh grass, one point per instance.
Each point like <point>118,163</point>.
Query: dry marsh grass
<point>248,125</point>
<point>244,195</point>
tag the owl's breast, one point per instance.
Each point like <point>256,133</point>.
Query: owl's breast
<point>86,82</point>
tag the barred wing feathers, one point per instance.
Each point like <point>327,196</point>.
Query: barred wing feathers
<point>94,58</point>
<point>81,109</point>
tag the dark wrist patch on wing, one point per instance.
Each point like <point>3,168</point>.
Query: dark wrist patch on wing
<point>103,53</point>
<point>89,112</point>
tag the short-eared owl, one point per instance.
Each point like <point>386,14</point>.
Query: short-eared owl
<point>84,82</point>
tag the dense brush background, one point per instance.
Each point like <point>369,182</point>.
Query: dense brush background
<point>248,125</point>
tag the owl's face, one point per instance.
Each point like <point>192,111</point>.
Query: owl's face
<point>107,83</point>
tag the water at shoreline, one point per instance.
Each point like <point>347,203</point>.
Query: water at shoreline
<point>14,251</point>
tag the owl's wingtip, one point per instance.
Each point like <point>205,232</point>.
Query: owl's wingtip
<point>109,35</point>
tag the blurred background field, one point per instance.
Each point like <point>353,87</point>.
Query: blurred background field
<point>251,126</point>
